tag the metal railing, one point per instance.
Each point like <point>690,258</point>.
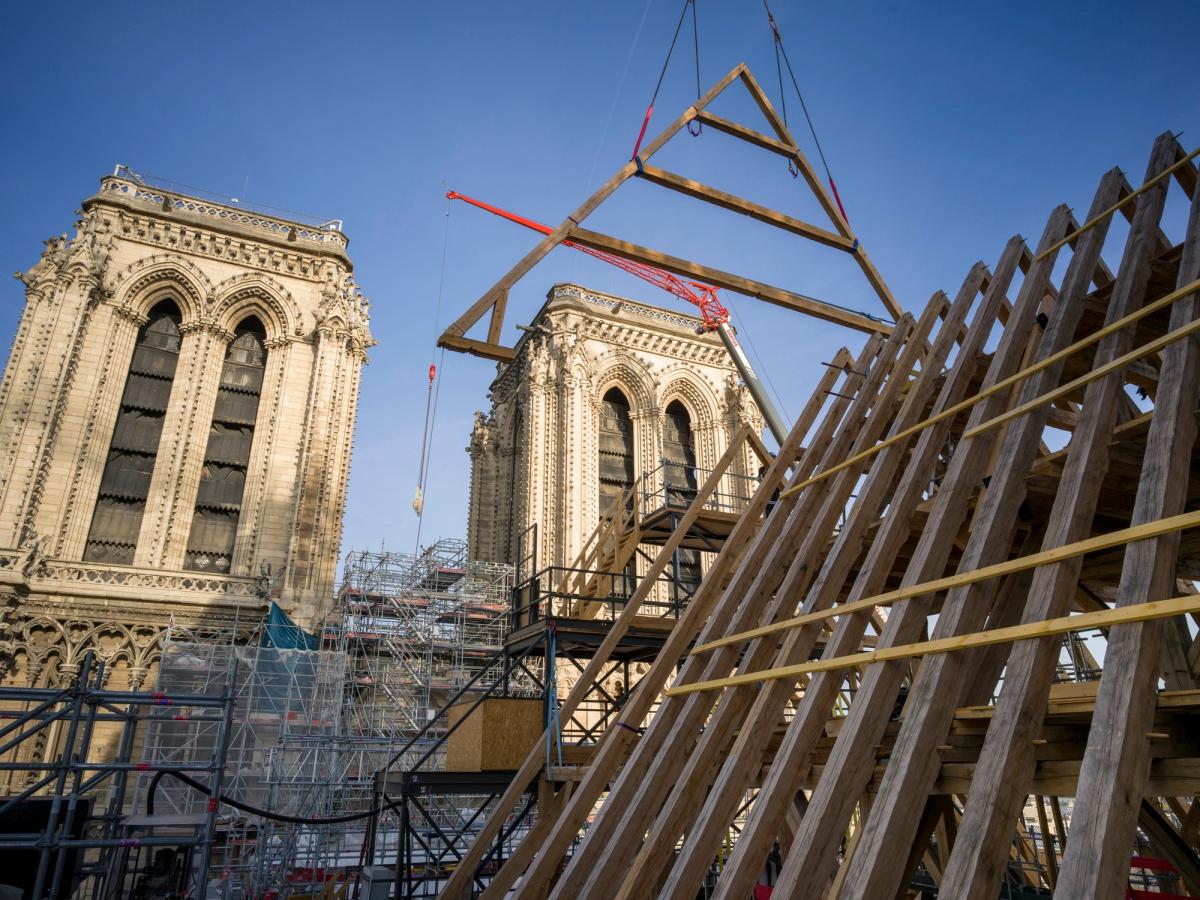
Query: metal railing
<point>674,485</point>
<point>560,592</point>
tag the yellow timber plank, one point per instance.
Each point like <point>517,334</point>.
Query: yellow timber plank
<point>1138,612</point>
<point>1020,564</point>
<point>1003,384</point>
<point>1091,223</point>
<point>1070,387</point>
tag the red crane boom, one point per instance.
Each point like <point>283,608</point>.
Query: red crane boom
<point>702,296</point>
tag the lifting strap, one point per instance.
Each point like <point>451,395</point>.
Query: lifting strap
<point>637,146</point>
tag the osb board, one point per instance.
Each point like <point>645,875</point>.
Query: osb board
<point>495,737</point>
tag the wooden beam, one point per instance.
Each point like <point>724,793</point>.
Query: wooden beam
<point>484,349</point>
<point>749,595</point>
<point>703,607</point>
<point>495,298</point>
<point>791,761</point>
<point>1117,761</point>
<point>878,491</point>
<point>1007,758</point>
<point>533,761</point>
<point>991,528</point>
<point>1006,383</point>
<point>1095,220</point>
<point>1049,854</point>
<point>1185,176</point>
<point>1141,532</point>
<point>749,135</point>
<point>720,279</point>
<point>1142,612</point>
<point>736,204</point>
<point>756,442</point>
<point>832,209</point>
<point>690,790</point>
<point>1101,371</point>
<point>497,320</point>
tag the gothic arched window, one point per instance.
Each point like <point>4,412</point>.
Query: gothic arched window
<point>679,479</point>
<point>616,448</point>
<point>219,500</point>
<point>125,483</point>
<point>679,455</point>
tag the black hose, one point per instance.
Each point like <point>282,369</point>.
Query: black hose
<point>254,810</point>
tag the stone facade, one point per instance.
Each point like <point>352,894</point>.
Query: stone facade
<point>219,272</point>
<point>535,454</point>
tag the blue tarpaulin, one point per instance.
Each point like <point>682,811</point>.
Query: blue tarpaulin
<point>281,632</point>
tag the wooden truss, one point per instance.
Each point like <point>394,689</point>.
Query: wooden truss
<point>869,679</point>
<point>841,237</point>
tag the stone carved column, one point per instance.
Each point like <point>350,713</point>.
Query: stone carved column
<point>137,677</point>
<point>647,440</point>
<point>481,502</point>
<point>536,485</point>
<point>540,473</point>
<point>40,286</point>
<point>279,355</point>
<point>329,538</point>
<point>23,387</point>
<point>579,502</point>
<point>53,362</point>
<point>512,463</point>
<point>312,557</point>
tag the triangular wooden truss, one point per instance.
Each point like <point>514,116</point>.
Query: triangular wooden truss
<point>783,144</point>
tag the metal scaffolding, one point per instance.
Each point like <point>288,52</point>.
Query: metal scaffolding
<point>414,629</point>
<point>68,832</point>
<point>311,729</point>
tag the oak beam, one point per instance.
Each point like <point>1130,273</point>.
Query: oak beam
<point>749,135</point>
<point>791,759</point>
<point>483,349</point>
<point>720,279</point>
<point>992,531</point>
<point>747,597</point>
<point>1007,760</point>
<point>749,734</point>
<point>832,209</point>
<point>1117,760</point>
<point>733,203</point>
<point>616,742</point>
<point>462,880</point>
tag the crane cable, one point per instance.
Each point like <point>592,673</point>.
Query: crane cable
<point>696,47</point>
<point>637,146</point>
<point>781,51</point>
<point>435,388</point>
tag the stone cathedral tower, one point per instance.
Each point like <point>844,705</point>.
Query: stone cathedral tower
<point>602,390</point>
<point>176,419</point>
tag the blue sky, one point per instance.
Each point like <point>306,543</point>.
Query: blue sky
<point>948,126</point>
